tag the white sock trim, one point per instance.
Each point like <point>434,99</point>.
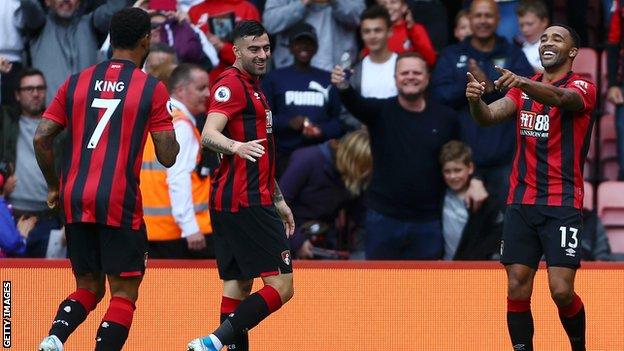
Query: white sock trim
<point>57,341</point>
<point>215,341</point>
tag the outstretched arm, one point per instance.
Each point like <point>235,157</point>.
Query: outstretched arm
<point>485,114</point>
<point>43,143</point>
<point>213,138</point>
<point>546,94</point>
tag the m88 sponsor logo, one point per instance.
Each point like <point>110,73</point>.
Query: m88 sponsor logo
<point>533,124</point>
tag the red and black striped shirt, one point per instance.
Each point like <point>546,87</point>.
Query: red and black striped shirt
<point>239,182</point>
<point>551,147</point>
<point>108,109</point>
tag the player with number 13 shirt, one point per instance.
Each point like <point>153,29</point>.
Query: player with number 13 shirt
<point>554,118</point>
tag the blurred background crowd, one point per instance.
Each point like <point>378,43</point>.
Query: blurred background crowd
<point>427,185</point>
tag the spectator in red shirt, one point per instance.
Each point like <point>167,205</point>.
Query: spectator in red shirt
<point>217,18</point>
<point>407,35</point>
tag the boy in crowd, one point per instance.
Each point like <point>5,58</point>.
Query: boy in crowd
<point>533,20</point>
<point>462,26</point>
<point>468,235</point>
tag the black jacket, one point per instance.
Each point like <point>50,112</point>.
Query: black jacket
<point>9,132</point>
<point>482,233</point>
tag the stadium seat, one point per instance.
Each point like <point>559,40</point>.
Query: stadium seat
<point>586,64</point>
<point>611,203</point>
<point>611,212</point>
<point>616,239</point>
<point>608,148</point>
<point>608,139</point>
<point>609,169</point>
<point>588,198</point>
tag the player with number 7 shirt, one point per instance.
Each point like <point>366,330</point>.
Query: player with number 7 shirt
<point>107,109</point>
<point>554,118</point>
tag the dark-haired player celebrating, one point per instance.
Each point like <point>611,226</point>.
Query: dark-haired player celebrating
<point>251,220</point>
<point>554,114</point>
<point>108,110</point>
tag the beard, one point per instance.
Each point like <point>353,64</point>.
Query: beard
<point>251,69</point>
<point>558,61</point>
<point>34,109</point>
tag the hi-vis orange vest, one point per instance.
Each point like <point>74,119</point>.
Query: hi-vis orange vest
<point>159,220</point>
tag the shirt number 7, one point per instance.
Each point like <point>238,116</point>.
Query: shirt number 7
<point>110,105</point>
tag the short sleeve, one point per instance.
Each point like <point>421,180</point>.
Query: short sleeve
<point>57,111</point>
<point>160,119</point>
<point>586,90</point>
<point>227,97</point>
<point>515,95</point>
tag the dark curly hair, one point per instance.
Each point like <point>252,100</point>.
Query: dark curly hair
<point>128,26</point>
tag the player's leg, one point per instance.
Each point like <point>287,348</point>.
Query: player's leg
<point>83,250</point>
<point>520,253</point>
<point>234,292</point>
<point>124,252</point>
<point>115,325</point>
<point>277,291</point>
<point>519,316</point>
<point>257,247</point>
<point>570,305</point>
<point>561,239</point>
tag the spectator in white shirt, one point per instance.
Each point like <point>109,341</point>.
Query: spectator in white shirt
<point>11,48</point>
<point>373,77</point>
<point>533,20</point>
<point>175,200</point>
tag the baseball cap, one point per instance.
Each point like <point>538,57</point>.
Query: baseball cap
<point>302,30</point>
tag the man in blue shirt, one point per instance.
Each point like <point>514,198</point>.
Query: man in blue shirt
<point>478,54</point>
<point>305,107</point>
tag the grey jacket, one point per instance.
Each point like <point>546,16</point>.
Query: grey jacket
<point>60,49</point>
<point>336,26</point>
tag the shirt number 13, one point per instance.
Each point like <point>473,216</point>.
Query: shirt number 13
<point>564,237</point>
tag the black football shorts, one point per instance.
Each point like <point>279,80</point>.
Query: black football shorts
<point>530,231</point>
<point>250,243</point>
<point>95,247</point>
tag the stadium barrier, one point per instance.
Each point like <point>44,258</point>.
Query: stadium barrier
<point>338,305</point>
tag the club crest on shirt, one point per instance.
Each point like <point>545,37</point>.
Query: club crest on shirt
<point>269,121</point>
<point>170,107</point>
<point>222,94</point>
<point>286,257</point>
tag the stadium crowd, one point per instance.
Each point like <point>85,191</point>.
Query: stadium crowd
<point>366,174</point>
